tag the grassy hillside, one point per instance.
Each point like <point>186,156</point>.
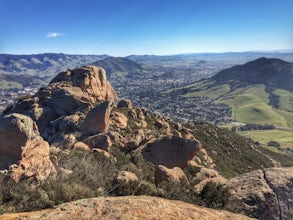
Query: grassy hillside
<point>284,137</point>
<point>213,92</point>
<point>286,99</point>
<point>9,85</point>
<point>258,92</point>
<point>250,105</point>
<point>11,81</point>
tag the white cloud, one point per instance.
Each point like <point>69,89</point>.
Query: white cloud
<point>54,34</point>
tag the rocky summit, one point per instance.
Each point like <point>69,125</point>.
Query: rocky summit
<point>75,140</point>
<point>78,110</point>
<point>129,207</point>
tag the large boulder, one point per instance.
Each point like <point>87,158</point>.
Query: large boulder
<point>171,151</point>
<point>264,194</point>
<point>118,119</point>
<point>101,141</point>
<point>98,119</point>
<point>125,177</point>
<point>22,145</point>
<point>174,175</point>
<point>134,139</point>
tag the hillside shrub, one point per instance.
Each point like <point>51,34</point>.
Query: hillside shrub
<point>215,195</point>
<point>274,144</point>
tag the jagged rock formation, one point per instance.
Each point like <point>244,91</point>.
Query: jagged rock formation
<point>77,110</point>
<point>66,105</point>
<point>264,194</point>
<point>128,207</point>
<point>21,144</point>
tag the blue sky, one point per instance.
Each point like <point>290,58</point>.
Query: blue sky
<point>124,27</point>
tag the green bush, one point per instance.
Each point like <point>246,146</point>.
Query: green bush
<point>179,192</point>
<point>24,196</point>
<point>215,195</point>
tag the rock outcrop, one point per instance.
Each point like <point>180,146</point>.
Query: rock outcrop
<point>98,119</point>
<point>125,103</point>
<point>91,81</point>
<point>125,177</point>
<point>101,141</point>
<point>174,175</point>
<point>171,151</point>
<point>75,100</point>
<point>206,175</point>
<point>264,194</point>
<point>22,147</point>
<point>127,207</point>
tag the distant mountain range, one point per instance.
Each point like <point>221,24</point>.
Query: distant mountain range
<point>224,58</point>
<point>45,65</point>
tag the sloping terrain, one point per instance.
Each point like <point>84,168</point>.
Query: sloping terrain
<point>119,65</point>
<point>258,92</point>
<point>74,140</point>
<point>129,207</point>
<point>11,81</point>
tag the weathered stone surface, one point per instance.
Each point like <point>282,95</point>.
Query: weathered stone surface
<point>118,119</point>
<point>21,143</point>
<point>81,146</point>
<point>98,119</point>
<point>92,82</point>
<point>127,207</point>
<point>125,103</point>
<point>104,153</point>
<point>134,139</point>
<point>171,151</point>
<point>124,177</point>
<point>67,141</point>
<point>174,175</point>
<point>63,105</point>
<point>101,141</point>
<point>140,114</point>
<point>265,194</point>
<point>206,175</point>
<point>162,124</point>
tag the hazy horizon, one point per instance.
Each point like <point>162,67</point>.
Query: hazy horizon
<point>175,54</point>
<point>121,28</point>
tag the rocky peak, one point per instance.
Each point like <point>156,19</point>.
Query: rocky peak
<point>91,80</point>
<point>62,106</point>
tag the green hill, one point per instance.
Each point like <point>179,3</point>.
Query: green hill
<point>11,81</point>
<point>259,92</point>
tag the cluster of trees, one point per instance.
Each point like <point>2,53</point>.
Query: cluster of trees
<point>248,127</point>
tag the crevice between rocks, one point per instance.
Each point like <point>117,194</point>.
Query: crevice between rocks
<point>275,192</point>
